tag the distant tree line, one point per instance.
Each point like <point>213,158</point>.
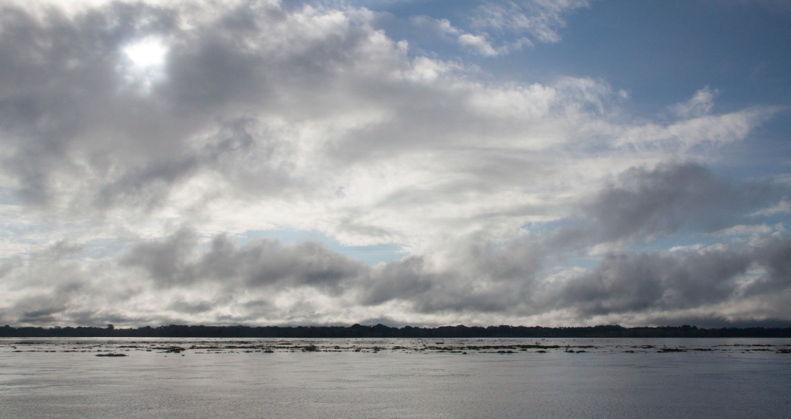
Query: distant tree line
<point>382,331</point>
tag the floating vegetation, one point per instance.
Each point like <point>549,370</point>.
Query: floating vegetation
<point>208,347</point>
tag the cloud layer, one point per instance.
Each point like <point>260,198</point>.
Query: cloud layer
<point>143,141</point>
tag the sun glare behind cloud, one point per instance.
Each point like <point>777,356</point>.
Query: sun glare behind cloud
<point>145,61</point>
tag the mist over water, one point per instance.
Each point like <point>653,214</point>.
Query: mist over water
<point>431,378</point>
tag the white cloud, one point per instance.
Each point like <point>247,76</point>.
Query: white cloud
<point>713,130</point>
<point>701,103</point>
<point>746,230</point>
<point>500,28</point>
<point>782,207</point>
<point>537,19</point>
<point>478,42</point>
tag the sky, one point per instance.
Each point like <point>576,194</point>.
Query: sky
<point>422,162</point>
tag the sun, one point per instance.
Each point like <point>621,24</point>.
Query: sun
<point>146,53</point>
<point>144,61</point>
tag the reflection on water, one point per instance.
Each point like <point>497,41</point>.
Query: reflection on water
<point>310,378</point>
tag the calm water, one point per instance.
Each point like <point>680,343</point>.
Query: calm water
<point>404,378</point>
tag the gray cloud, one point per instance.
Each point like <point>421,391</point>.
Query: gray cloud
<point>655,280</point>
<point>189,307</point>
<point>167,261</point>
<point>655,286</point>
<point>404,279</point>
<point>659,283</point>
<point>777,263</point>
<point>60,82</point>
<point>54,285</point>
<point>68,111</point>
<point>673,197</point>
<point>477,274</point>
<point>177,261</point>
<point>480,276</point>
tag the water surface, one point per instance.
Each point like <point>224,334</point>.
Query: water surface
<point>413,378</point>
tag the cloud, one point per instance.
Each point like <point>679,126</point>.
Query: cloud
<point>501,28</point>
<point>56,284</point>
<point>175,261</point>
<point>166,261</point>
<point>638,282</point>
<point>701,103</point>
<point>687,134</point>
<point>260,108</point>
<point>782,207</point>
<point>477,43</point>
<point>129,189</point>
<point>774,257</point>
<point>660,283</point>
<point>675,197</point>
<point>184,276</point>
<point>538,20</point>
